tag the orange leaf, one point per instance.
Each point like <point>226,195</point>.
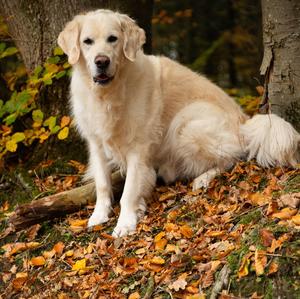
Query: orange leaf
<point>244,267</point>
<point>161,244</point>
<point>38,261</point>
<point>260,261</point>
<point>273,268</point>
<point>159,236</point>
<point>59,247</point>
<point>186,231</point>
<point>134,295</point>
<point>65,120</point>
<point>49,254</point>
<point>285,213</point>
<point>296,219</point>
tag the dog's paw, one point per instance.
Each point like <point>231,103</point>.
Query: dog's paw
<point>201,181</point>
<point>97,218</point>
<point>125,226</point>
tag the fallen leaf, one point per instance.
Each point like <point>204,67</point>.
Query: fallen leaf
<point>157,260</point>
<point>260,261</point>
<point>32,231</point>
<point>134,295</point>
<point>291,200</point>
<point>273,268</point>
<point>186,231</point>
<point>244,267</point>
<point>59,247</point>
<point>38,261</point>
<point>79,265</point>
<point>13,248</point>
<point>296,219</point>
<point>179,284</point>
<point>161,244</point>
<point>267,237</point>
<point>285,213</point>
<point>259,199</point>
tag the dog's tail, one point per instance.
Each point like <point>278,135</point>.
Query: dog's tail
<point>271,140</point>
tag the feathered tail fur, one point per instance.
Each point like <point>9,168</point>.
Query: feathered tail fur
<point>271,140</point>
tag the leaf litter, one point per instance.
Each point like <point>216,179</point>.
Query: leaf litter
<point>245,220</point>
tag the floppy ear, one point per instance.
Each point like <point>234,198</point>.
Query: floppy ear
<point>134,37</point>
<point>68,40</point>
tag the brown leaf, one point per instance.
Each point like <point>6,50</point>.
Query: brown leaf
<point>32,231</point>
<point>179,284</point>
<point>208,279</point>
<point>267,237</point>
<point>291,200</point>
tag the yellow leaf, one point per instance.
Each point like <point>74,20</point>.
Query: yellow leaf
<point>296,219</point>
<point>65,120</point>
<point>69,253</point>
<point>79,265</point>
<point>11,145</point>
<point>157,260</point>
<point>140,251</point>
<point>243,270</point>
<point>63,134</point>
<point>38,261</point>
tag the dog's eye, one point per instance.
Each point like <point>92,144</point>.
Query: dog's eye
<point>88,41</point>
<point>112,39</point>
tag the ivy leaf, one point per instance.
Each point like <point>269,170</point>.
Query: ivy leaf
<point>60,74</point>
<point>53,59</point>
<point>10,118</point>
<point>63,134</point>
<point>9,52</point>
<point>55,129</point>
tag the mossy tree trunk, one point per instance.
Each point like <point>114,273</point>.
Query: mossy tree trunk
<point>281,63</point>
<point>34,26</point>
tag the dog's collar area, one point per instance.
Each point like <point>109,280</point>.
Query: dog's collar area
<point>102,79</point>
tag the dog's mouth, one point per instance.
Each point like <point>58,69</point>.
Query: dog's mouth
<point>102,79</point>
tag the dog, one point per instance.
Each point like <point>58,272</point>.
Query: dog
<point>151,116</point>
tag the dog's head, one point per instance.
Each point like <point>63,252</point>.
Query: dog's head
<point>103,39</point>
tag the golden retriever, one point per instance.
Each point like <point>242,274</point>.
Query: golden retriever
<point>149,115</point>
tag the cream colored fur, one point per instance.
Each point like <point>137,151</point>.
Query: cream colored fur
<point>157,116</point>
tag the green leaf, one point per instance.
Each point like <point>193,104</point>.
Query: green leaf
<point>10,118</point>
<point>58,51</point>
<point>22,98</point>
<point>55,129</point>
<point>37,115</point>
<point>38,70</point>
<point>60,74</point>
<point>53,59</point>
<point>50,122</point>
<point>2,47</point>
<point>18,137</point>
<point>47,81</point>
<point>9,52</point>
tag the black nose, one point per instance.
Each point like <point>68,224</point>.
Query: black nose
<point>102,61</point>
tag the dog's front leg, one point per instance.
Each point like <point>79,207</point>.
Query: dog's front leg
<point>140,179</point>
<point>102,175</point>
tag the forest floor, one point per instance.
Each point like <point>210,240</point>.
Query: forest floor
<point>237,239</point>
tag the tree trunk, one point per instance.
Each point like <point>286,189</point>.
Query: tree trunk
<point>34,26</point>
<point>281,62</point>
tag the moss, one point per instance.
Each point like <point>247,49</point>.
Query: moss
<point>293,184</point>
<point>251,217</point>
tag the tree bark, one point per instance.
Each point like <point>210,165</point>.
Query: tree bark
<point>281,62</point>
<point>35,25</point>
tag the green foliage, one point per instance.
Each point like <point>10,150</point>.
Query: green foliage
<point>23,102</point>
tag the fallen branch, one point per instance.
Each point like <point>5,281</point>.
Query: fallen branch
<point>59,204</point>
<point>221,282</point>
